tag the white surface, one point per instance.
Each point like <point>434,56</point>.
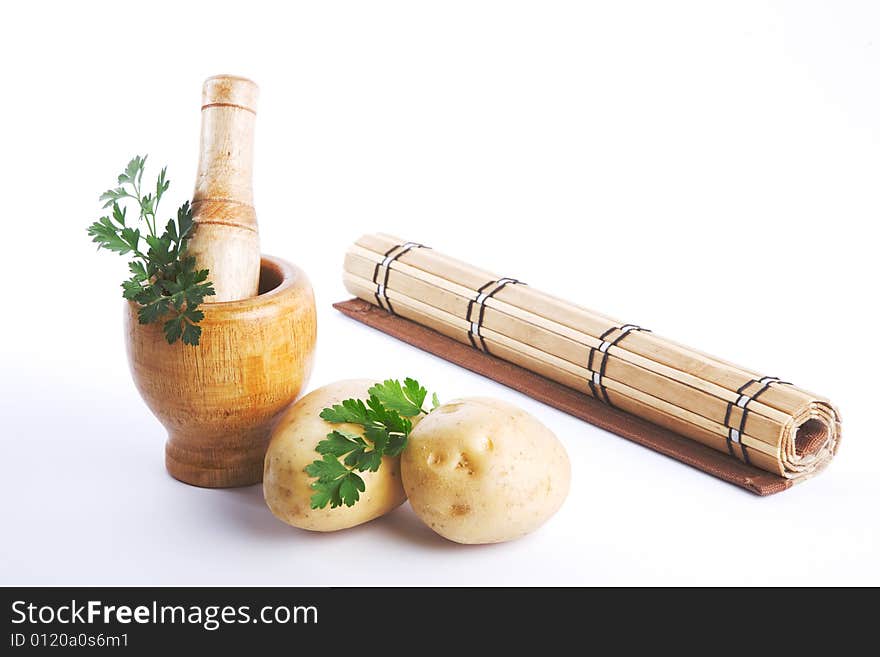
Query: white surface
<point>708,172</point>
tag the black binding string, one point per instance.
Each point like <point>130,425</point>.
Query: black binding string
<point>470,309</point>
<point>734,435</point>
<point>480,300</point>
<point>598,389</point>
<point>381,293</point>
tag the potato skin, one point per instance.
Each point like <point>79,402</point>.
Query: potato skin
<point>480,470</point>
<point>286,486</point>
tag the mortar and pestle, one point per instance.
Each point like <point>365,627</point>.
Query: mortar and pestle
<point>220,399</point>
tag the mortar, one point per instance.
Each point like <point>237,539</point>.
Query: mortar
<point>219,400</point>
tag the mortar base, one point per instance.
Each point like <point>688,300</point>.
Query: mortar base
<point>193,466</point>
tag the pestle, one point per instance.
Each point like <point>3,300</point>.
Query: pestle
<point>225,239</point>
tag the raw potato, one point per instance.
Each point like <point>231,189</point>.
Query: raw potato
<point>480,470</point>
<point>286,486</point>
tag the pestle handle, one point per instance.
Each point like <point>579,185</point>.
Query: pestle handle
<point>225,239</point>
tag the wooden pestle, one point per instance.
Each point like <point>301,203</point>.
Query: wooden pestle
<point>225,239</point>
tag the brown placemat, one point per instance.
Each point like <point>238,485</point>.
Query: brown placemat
<point>568,400</point>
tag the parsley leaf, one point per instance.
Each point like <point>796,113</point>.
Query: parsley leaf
<point>352,411</point>
<point>381,416</point>
<point>164,280</point>
<point>385,418</point>
<point>336,484</point>
<point>406,399</point>
<point>339,443</point>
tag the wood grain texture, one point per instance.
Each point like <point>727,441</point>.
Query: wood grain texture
<point>568,400</point>
<point>226,240</point>
<point>220,400</point>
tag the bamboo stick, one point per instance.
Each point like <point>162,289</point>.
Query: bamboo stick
<point>787,431</point>
<point>592,330</point>
<point>656,348</point>
<point>560,339</point>
<point>674,419</point>
<point>763,422</point>
<point>545,364</point>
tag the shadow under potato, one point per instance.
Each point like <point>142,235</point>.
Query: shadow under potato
<point>246,507</point>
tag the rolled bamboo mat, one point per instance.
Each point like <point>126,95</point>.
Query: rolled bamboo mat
<point>761,421</point>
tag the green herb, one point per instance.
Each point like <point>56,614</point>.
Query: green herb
<point>164,280</point>
<point>385,417</point>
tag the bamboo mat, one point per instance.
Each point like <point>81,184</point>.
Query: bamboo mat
<point>752,421</point>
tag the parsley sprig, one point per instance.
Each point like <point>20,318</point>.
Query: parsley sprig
<point>387,421</point>
<point>164,280</point>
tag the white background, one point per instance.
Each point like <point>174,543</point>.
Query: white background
<point>708,170</point>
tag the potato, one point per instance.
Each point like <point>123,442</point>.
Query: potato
<point>480,470</point>
<point>286,486</point>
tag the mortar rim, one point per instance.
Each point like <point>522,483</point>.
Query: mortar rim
<point>290,275</point>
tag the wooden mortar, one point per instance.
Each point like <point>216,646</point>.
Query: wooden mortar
<point>219,400</point>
